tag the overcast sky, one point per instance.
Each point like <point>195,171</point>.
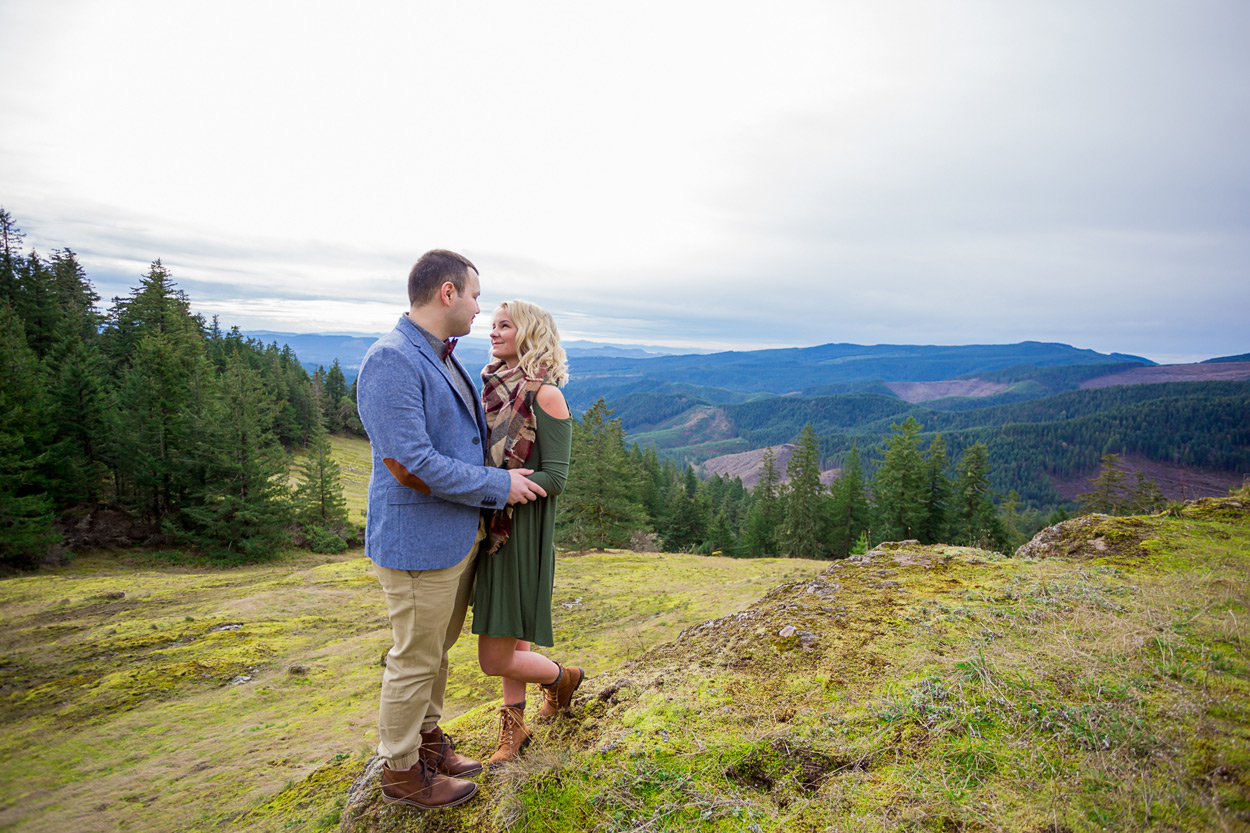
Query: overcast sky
<point>713,174</point>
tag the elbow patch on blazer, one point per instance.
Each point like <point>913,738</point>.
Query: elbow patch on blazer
<point>406,477</point>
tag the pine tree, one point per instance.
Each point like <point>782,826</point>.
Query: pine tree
<point>721,537</point>
<point>319,500</point>
<point>38,306</point>
<point>938,488</point>
<point>900,488</point>
<point>804,529</point>
<point>1013,521</point>
<point>976,522</point>
<point>26,530</point>
<point>75,297</point>
<point>685,526</point>
<point>84,423</point>
<point>600,506</point>
<point>851,512</point>
<point>239,511</point>
<point>1146,497</point>
<point>1110,492</point>
<point>762,528</point>
<point>656,484</point>
<point>319,394</point>
<point>154,308</point>
<point>685,522</point>
<point>11,239</point>
<point>334,393</point>
<point>159,352</point>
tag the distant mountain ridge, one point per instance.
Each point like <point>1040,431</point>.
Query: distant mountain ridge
<point>322,349</point>
<point>813,370</point>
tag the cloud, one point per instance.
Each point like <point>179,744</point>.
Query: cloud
<point>679,173</point>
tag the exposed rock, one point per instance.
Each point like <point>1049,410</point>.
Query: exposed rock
<point>1235,505</point>
<point>787,631</point>
<point>363,794</point>
<point>888,546</point>
<point>1088,536</point>
<point>823,590</point>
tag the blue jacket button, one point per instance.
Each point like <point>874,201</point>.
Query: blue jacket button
<point>476,440</point>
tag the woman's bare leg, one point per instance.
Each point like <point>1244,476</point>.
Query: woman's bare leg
<point>502,656</point>
<point>514,690</point>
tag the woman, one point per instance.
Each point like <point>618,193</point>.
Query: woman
<point>529,427</point>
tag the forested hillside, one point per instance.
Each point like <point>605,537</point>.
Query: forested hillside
<point>1028,405</point>
<point>1196,424</point>
<point>152,410</point>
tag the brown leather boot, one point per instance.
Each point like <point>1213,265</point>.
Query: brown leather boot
<point>513,736</point>
<point>558,695</point>
<point>442,751</point>
<point>424,787</point>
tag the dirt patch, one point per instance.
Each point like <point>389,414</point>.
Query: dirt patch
<point>928,391</point>
<point>1175,481</point>
<point>1217,372</point>
<point>103,527</point>
<point>771,763</point>
<point>748,466</point>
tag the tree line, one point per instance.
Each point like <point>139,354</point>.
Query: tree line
<point>155,410</point>
<point>621,496</point>
<point>1062,436</point>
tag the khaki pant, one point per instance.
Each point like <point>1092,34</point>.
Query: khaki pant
<point>427,610</point>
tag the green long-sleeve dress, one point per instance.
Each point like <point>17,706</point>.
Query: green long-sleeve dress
<point>513,592</point>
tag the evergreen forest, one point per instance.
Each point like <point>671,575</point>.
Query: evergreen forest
<point>155,411</point>
<point>626,496</point>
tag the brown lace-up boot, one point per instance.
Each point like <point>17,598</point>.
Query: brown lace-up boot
<point>424,787</point>
<point>513,736</point>
<point>558,695</point>
<point>441,749</point>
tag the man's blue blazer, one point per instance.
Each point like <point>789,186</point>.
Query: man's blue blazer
<point>429,484</point>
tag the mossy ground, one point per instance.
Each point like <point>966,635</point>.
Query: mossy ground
<point>1105,687</point>
<point>924,689</point>
<point>138,692</point>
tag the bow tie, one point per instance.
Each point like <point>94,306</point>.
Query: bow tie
<point>451,345</point>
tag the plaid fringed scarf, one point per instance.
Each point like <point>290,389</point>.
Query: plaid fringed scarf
<point>508,398</point>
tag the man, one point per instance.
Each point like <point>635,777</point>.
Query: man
<point>426,495</point>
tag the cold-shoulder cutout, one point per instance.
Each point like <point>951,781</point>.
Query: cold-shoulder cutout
<point>551,400</point>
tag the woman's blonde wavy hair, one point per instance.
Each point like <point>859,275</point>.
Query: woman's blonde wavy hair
<point>537,341</point>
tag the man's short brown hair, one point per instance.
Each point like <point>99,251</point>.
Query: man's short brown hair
<point>434,269</point>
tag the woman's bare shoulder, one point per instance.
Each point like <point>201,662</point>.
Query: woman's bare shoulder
<point>551,400</point>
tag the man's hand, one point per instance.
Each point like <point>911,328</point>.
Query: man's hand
<point>523,490</point>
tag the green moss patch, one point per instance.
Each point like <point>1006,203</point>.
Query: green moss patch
<point>920,688</point>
